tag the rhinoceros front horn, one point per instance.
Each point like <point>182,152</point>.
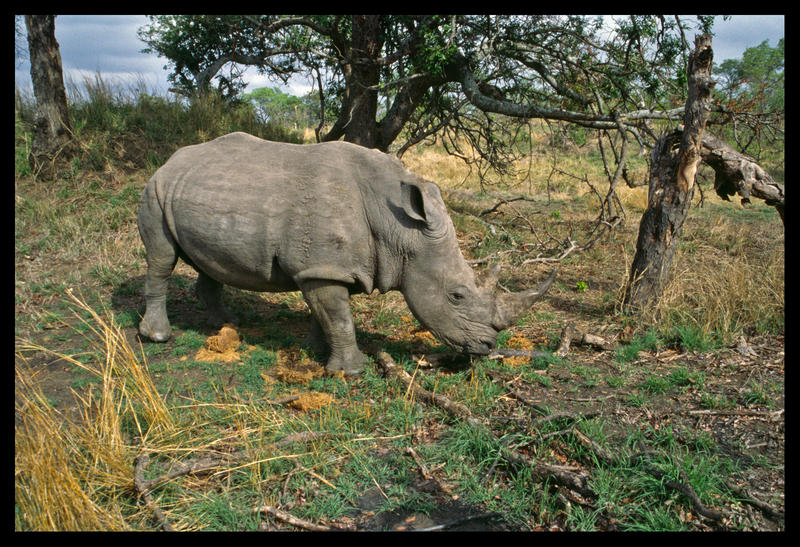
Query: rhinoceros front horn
<point>510,307</point>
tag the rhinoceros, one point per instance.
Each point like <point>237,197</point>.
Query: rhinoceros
<point>329,219</point>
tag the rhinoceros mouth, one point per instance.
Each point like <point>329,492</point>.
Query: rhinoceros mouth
<point>480,348</point>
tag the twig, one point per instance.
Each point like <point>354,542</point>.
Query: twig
<point>138,481</point>
<point>683,487</point>
<point>503,352</point>
<point>570,334</point>
<point>503,202</point>
<point>456,522</point>
<point>295,521</point>
<point>768,510</point>
<point>390,368</point>
<point>686,489</point>
<point>604,455</point>
<point>207,463</point>
<point>543,471</point>
<point>427,475</point>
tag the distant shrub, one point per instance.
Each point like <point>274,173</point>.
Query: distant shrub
<point>132,127</point>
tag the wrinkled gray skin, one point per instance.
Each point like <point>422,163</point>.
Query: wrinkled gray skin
<point>329,219</point>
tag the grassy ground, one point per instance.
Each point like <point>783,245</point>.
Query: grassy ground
<point>675,404</point>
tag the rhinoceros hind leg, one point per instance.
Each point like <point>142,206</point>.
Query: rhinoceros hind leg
<point>162,255</point>
<point>315,340</point>
<point>209,291</point>
<point>155,325</point>
<point>330,307</point>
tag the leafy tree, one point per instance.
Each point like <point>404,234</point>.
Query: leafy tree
<point>474,81</point>
<point>759,74</point>
<point>276,106</point>
<point>752,92</point>
<point>443,72</point>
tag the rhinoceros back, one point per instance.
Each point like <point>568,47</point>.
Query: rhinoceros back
<point>261,215</point>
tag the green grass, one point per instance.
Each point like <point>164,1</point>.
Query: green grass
<point>80,232</point>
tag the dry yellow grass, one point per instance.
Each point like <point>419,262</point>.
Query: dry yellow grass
<point>77,473</point>
<point>69,474</point>
<point>51,490</point>
<point>720,292</point>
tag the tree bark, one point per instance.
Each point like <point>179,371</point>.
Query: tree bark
<point>52,127</point>
<point>674,162</point>
<point>363,77</point>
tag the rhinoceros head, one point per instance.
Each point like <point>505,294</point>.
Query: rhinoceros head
<point>443,292</point>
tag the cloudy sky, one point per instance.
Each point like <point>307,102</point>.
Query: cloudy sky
<point>108,44</point>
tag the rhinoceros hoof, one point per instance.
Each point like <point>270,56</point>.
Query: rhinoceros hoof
<point>352,363</point>
<point>156,335</point>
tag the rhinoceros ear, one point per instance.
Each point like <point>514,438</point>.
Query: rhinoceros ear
<point>424,203</point>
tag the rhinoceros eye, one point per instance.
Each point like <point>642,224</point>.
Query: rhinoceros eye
<point>458,295</point>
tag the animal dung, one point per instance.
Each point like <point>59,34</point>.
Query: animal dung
<point>311,400</point>
<point>221,346</point>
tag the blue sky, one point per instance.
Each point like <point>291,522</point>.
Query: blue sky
<point>108,44</point>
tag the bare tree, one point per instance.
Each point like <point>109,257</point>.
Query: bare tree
<point>52,128</point>
<point>674,163</point>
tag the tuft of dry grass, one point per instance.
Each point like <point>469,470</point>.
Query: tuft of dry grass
<point>77,473</point>
<point>71,474</point>
<point>52,470</point>
<point>723,295</point>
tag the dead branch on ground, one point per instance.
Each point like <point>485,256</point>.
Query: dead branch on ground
<point>390,368</point>
<point>561,475</point>
<point>208,463</point>
<point>295,521</point>
<point>140,462</point>
<point>570,334</point>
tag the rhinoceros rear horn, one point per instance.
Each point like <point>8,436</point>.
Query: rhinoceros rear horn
<point>488,280</point>
<point>510,307</point>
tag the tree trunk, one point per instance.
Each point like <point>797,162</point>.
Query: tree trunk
<point>52,128</point>
<point>363,77</point>
<point>674,162</point>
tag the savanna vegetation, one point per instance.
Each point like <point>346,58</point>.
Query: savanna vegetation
<point>673,422</point>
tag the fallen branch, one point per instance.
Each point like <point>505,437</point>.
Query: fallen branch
<point>427,475</point>
<point>569,335</point>
<point>294,521</point>
<point>207,463</point>
<point>531,354</point>
<point>541,470</point>
<point>684,488</point>
<point>548,259</point>
<point>140,462</point>
<point>503,202</point>
<point>390,368</point>
<point>768,510</point>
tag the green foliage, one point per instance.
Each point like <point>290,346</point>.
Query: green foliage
<point>755,84</point>
<point>757,76</point>
<point>649,341</point>
<point>275,106</point>
<point>130,127</point>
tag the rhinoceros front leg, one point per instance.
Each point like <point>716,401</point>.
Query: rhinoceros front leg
<point>330,307</point>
